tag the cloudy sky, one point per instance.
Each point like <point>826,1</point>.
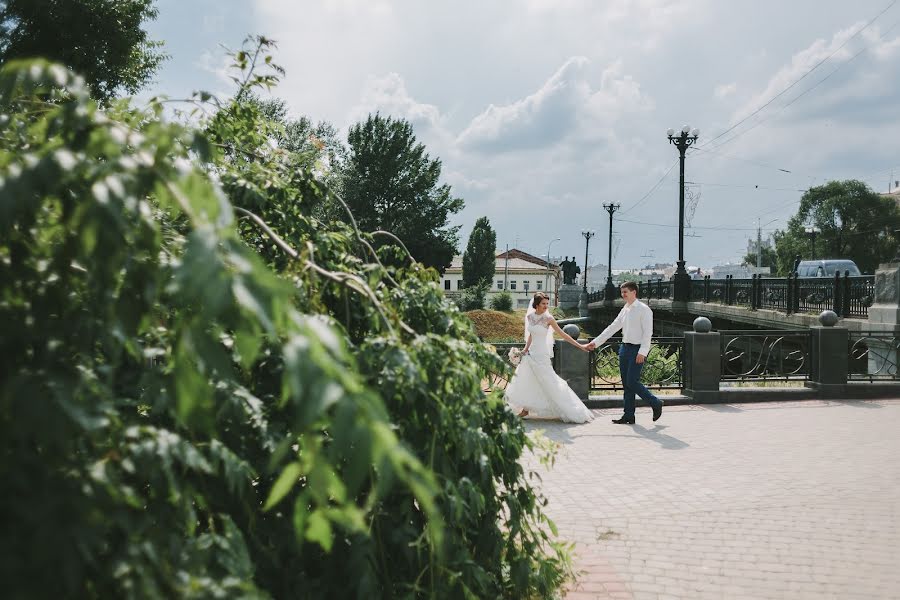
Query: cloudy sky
<point>543,110</point>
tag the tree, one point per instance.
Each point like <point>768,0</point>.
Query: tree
<point>480,258</point>
<point>390,183</point>
<point>100,39</point>
<point>209,393</point>
<point>852,221</point>
<point>473,297</point>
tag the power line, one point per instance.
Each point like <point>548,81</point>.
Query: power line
<point>750,186</point>
<point>653,189</point>
<point>694,226</point>
<point>820,82</point>
<point>782,92</point>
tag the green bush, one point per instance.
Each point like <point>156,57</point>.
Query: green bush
<point>658,368</point>
<point>473,297</point>
<point>208,393</point>
<point>502,302</point>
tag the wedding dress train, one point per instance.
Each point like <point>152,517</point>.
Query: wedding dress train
<point>536,387</point>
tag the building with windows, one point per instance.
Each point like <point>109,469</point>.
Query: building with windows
<point>518,272</point>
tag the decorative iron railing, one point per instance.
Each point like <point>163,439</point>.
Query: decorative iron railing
<point>847,296</point>
<point>872,356</point>
<point>663,369</point>
<point>778,355</point>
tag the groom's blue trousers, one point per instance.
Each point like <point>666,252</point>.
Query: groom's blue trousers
<point>631,379</point>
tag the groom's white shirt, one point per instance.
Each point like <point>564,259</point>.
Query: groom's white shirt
<point>636,323</point>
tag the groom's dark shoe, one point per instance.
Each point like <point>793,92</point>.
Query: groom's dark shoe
<point>657,411</point>
<point>624,421</point>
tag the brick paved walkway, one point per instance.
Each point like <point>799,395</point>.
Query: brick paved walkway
<point>773,500</point>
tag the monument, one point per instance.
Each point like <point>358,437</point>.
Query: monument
<point>569,291</point>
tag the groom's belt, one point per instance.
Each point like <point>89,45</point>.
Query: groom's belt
<point>630,344</point>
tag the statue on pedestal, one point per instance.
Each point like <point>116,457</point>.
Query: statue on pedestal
<point>570,270</point>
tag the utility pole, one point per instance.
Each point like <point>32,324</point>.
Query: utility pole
<point>506,270</point>
<point>758,243</point>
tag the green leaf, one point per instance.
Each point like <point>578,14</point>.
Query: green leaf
<point>283,485</point>
<point>318,530</point>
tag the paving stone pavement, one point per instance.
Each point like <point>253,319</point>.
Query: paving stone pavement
<point>769,500</point>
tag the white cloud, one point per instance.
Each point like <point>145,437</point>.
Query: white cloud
<point>565,104</point>
<point>389,96</point>
<point>723,90</point>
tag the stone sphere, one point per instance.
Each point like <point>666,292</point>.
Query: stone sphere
<point>572,329</point>
<point>828,318</point>
<point>702,325</point>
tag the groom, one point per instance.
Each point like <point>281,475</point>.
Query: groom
<point>636,322</point>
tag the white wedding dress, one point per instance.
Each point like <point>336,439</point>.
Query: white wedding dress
<point>535,386</point>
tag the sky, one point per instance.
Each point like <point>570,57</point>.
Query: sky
<point>541,111</point>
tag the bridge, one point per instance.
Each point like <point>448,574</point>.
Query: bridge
<point>760,302</point>
<point>813,337</point>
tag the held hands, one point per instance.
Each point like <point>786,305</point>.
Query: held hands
<point>590,346</point>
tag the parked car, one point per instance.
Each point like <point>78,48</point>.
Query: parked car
<point>826,267</point>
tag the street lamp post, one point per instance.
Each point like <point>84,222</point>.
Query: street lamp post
<point>812,231</point>
<point>583,300</point>
<point>682,141</point>
<point>587,240</point>
<point>547,275</point>
<point>609,291</point>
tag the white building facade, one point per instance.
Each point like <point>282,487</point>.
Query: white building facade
<point>517,272</point>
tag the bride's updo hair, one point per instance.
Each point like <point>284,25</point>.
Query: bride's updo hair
<point>538,298</point>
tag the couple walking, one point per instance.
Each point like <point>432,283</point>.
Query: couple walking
<point>536,389</point>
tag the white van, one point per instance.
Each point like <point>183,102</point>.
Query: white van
<point>826,267</point>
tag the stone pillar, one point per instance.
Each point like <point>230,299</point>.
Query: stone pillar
<point>828,355</point>
<point>573,364</point>
<point>884,316</point>
<point>569,295</point>
<point>583,304</point>
<point>702,361</point>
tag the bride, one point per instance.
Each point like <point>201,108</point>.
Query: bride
<point>535,388</point>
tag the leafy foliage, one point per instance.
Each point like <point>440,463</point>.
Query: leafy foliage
<point>479,259</point>
<point>199,405</point>
<point>473,297</point>
<point>101,39</point>
<point>853,222</point>
<point>660,366</point>
<point>502,302</point>
<point>390,183</point>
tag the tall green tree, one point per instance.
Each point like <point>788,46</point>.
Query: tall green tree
<point>479,259</point>
<point>392,184</point>
<point>852,221</point>
<point>103,40</point>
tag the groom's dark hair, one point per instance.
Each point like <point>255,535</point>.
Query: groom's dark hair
<point>538,298</point>
<point>629,285</point>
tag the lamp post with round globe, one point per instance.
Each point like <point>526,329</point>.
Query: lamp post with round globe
<point>682,141</point>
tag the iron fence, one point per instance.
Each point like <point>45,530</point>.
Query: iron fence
<point>663,368</point>
<point>776,355</point>
<point>872,356</point>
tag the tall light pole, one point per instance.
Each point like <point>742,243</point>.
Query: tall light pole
<point>609,291</point>
<point>587,240</point>
<point>682,141</point>
<point>812,231</point>
<point>547,276</point>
